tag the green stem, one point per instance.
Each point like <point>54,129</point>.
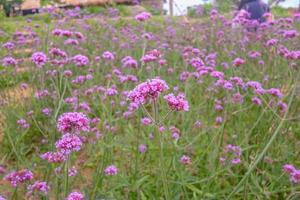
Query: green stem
<point>161,154</point>
<point>264,151</point>
<point>66,177</point>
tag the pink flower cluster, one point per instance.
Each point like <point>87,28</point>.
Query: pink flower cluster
<point>80,60</point>
<point>129,62</point>
<point>147,90</point>
<point>19,177</point>
<point>68,143</point>
<point>75,196</point>
<point>39,59</point>
<point>178,103</point>
<point>9,61</point>
<point>232,153</point>
<point>143,16</point>
<point>111,170</point>
<point>54,157</point>
<point>38,186</point>
<point>293,172</point>
<point>185,160</point>
<point>108,55</point>
<point>23,123</point>
<point>73,122</point>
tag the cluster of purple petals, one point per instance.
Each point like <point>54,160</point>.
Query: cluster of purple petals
<point>38,186</point>
<point>69,143</point>
<point>147,90</point>
<point>143,16</point>
<point>9,61</point>
<point>293,173</point>
<point>111,170</point>
<point>75,196</point>
<point>18,177</point>
<point>178,103</point>
<point>232,153</point>
<point>39,59</point>
<point>80,60</point>
<point>73,122</point>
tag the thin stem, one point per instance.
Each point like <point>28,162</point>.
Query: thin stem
<point>268,145</point>
<point>161,153</point>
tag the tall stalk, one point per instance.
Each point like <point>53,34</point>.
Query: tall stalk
<point>160,141</point>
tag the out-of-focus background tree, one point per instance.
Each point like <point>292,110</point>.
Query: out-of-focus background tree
<point>7,5</point>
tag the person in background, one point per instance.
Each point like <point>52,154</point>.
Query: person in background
<point>256,8</point>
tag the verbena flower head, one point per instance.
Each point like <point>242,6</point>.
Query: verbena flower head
<point>8,45</point>
<point>111,170</point>
<point>143,16</point>
<point>80,60</point>
<point>73,122</point>
<point>9,61</point>
<point>19,177</point>
<point>69,143</point>
<point>75,196</point>
<point>142,148</point>
<point>178,103</point>
<point>295,176</point>
<point>23,123</point>
<point>38,186</point>
<point>185,160</point>
<point>238,62</point>
<point>108,55</point>
<point>147,90</point>
<point>2,198</point>
<point>146,121</point>
<point>54,157</point>
<point>287,168</point>
<point>39,59</point>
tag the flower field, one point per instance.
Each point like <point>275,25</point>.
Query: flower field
<point>149,107</point>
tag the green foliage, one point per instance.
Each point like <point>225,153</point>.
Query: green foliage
<point>200,10</point>
<point>95,9</point>
<point>279,11</point>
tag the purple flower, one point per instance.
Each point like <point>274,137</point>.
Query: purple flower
<point>73,171</point>
<point>23,123</point>
<point>54,157</point>
<point>185,160</point>
<point>73,122</point>
<point>69,143</point>
<point>8,45</point>
<point>178,103</point>
<point>238,62</point>
<point>147,90</point>
<point>2,198</point>
<point>108,55</point>
<point>142,148</point>
<point>80,60</point>
<point>129,62</point>
<point>111,170</point>
<point>143,16</point>
<point>19,177</point>
<point>9,61</point>
<point>219,120</point>
<point>146,121</point>
<point>287,168</point>
<point>39,59</point>
<point>38,186</point>
<point>256,101</point>
<point>75,196</point>
<point>46,111</point>
<point>295,176</point>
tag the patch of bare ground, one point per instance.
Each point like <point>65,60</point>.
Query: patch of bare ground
<point>12,96</point>
<point>16,94</point>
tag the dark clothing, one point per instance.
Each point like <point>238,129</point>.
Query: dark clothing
<point>256,9</point>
